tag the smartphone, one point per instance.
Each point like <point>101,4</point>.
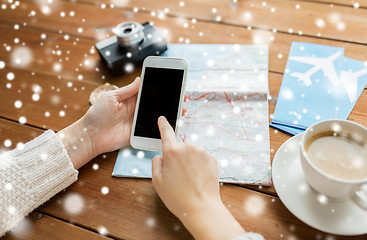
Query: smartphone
<point>161,93</point>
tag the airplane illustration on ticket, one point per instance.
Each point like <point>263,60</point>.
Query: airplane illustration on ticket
<point>349,79</point>
<point>324,64</point>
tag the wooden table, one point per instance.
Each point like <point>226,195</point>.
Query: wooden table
<point>53,41</point>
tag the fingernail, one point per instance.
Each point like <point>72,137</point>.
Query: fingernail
<point>161,118</point>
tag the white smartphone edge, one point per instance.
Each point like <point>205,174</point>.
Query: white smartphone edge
<point>153,144</point>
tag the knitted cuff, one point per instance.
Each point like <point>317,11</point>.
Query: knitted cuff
<point>33,174</point>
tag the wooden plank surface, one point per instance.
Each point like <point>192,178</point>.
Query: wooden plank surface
<point>38,226</point>
<point>294,17</point>
<point>133,210</point>
<point>54,40</point>
<point>96,28</point>
<point>70,97</point>
<point>349,3</point>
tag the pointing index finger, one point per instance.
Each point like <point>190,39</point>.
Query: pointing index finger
<point>167,134</point>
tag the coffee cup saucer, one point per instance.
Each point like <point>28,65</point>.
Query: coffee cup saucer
<point>331,216</point>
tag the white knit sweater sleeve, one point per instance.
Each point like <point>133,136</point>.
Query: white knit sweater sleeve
<point>32,175</point>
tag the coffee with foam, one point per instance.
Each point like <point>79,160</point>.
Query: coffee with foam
<point>341,155</point>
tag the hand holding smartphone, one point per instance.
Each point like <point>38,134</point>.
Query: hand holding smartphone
<point>161,93</point>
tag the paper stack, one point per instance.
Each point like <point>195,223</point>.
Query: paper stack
<point>319,83</point>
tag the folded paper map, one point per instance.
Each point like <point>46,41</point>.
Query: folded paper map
<point>227,112</point>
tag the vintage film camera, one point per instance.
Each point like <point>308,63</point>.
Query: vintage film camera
<point>130,45</point>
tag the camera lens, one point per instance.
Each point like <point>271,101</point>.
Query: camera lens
<point>127,30</point>
<point>129,34</point>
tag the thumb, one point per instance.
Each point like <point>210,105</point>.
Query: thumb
<point>128,91</point>
<point>157,163</point>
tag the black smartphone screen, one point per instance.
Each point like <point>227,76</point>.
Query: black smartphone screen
<point>160,96</point>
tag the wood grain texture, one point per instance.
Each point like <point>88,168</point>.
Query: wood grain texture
<point>294,17</point>
<point>9,130</point>
<point>55,96</point>
<point>38,226</point>
<point>98,28</point>
<point>349,3</point>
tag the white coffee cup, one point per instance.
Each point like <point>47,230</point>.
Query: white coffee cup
<point>331,186</point>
